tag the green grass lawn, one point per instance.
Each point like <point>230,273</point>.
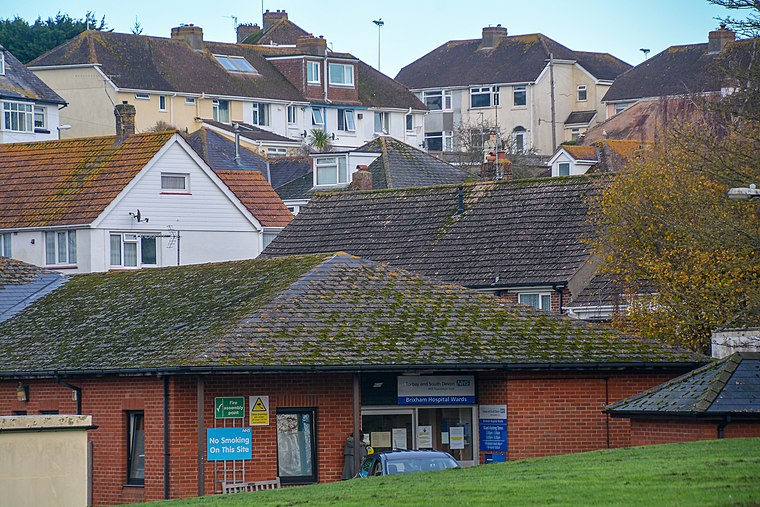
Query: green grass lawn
<point>717,472</point>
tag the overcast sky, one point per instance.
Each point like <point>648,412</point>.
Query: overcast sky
<point>414,28</point>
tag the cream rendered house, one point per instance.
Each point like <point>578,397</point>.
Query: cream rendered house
<point>534,91</point>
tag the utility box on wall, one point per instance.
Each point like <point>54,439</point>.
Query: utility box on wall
<point>44,460</point>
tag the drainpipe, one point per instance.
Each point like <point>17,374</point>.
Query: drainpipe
<point>167,462</point>
<point>201,436</point>
<point>77,393</point>
<point>722,427</point>
<point>357,389</point>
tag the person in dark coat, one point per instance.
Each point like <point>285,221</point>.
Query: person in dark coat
<point>348,456</point>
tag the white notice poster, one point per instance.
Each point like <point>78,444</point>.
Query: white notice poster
<point>456,437</point>
<point>425,437</point>
<point>399,438</point>
<point>380,439</point>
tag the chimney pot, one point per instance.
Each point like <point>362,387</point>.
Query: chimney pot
<point>246,30</point>
<point>270,18</point>
<point>718,39</point>
<point>310,45</point>
<point>492,35</point>
<point>362,178</point>
<point>191,34</point>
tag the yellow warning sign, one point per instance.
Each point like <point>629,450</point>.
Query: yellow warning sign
<point>259,413</point>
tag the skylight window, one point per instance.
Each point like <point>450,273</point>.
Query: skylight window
<point>235,64</point>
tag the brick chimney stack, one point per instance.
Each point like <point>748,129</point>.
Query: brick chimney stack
<point>246,30</point>
<point>362,178</point>
<point>125,121</point>
<point>492,35</point>
<point>718,39</point>
<point>270,18</point>
<point>310,45</point>
<point>191,34</point>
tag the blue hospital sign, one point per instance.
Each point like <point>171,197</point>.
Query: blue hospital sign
<point>228,444</point>
<point>493,428</point>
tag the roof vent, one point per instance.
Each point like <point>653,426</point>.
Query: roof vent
<point>492,35</point>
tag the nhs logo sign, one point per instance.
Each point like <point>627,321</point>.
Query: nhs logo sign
<point>436,390</point>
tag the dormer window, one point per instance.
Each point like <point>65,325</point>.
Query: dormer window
<point>236,64</point>
<point>331,171</point>
<point>341,75</point>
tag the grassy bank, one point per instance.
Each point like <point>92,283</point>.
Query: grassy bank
<point>721,472</point>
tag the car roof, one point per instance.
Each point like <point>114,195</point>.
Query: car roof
<point>401,454</point>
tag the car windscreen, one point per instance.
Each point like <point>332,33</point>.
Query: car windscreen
<point>409,465</point>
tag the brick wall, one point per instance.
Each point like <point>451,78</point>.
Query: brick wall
<point>512,296</point>
<point>655,431</point>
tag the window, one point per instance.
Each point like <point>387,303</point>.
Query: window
<point>437,99</point>
<point>518,137</point>
<point>61,247</point>
<point>331,171</point>
<point>582,94</point>
<point>312,72</point>
<point>260,114</point>
<point>480,97</point>
<point>221,110</point>
<point>540,300</point>
<point>276,152</point>
<point>519,95</point>
<point>18,117</point>
<point>177,183</point>
<point>317,117</point>
<point>142,96</point>
<point>135,448</point>
<point>189,101</point>
<point>409,122</point>
<point>235,64</point>
<point>341,75</point>
<point>162,102</point>
<point>292,115</point>
<point>439,141</point>
<point>296,446</point>
<point>39,118</point>
<point>619,108</point>
<point>5,244</point>
<point>126,249</point>
<point>575,134</point>
<point>564,169</point>
<point>381,122</point>
<point>346,120</point>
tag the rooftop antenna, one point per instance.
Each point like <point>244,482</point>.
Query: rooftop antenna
<point>234,20</point>
<point>646,52</point>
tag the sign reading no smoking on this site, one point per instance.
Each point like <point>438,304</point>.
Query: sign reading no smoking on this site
<point>259,413</point>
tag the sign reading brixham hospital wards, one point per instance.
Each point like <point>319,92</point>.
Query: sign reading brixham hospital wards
<point>436,390</point>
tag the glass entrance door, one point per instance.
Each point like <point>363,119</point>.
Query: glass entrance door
<point>450,429</point>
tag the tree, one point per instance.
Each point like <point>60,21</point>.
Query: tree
<point>318,141</point>
<point>666,221</point>
<point>27,42</point>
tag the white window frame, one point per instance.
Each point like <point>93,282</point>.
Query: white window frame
<point>347,75</point>
<point>561,166</point>
<point>347,120</point>
<point>260,115</point>
<point>582,89</point>
<point>544,299</point>
<point>236,64</point>
<point>521,90</point>
<point>61,247</point>
<point>162,103</point>
<point>520,138</point>
<point>312,72</point>
<point>409,122</point>
<point>621,106</point>
<point>166,188</point>
<point>189,101</point>
<point>292,115</point>
<point>142,96</point>
<point>40,111</point>
<point>575,133</point>
<point>318,117</point>
<point>133,240</point>
<point>23,112</point>
<point>5,244</point>
<point>340,165</point>
<point>216,109</point>
<point>384,122</point>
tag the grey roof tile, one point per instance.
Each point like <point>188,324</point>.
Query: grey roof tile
<point>18,82</point>
<point>22,284</point>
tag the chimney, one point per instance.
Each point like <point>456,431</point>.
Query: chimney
<point>718,39</point>
<point>191,34</point>
<point>125,121</point>
<point>362,178</point>
<point>270,18</point>
<point>492,35</point>
<point>310,45</point>
<point>246,30</point>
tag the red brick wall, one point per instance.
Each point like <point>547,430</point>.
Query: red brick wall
<point>560,413</point>
<point>512,296</point>
<point>655,431</point>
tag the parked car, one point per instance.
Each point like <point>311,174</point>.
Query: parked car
<point>405,462</point>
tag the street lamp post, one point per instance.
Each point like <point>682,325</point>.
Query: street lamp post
<point>379,23</point>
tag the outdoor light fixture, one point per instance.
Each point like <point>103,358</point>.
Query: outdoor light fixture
<point>744,193</point>
<point>379,23</point>
<point>22,392</point>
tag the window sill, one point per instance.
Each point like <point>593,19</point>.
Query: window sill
<point>39,130</point>
<point>63,266</point>
<point>344,86</point>
<point>131,485</point>
<point>519,107</point>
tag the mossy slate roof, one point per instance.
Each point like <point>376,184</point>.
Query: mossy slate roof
<point>511,232</point>
<point>729,386</point>
<point>21,284</point>
<point>20,83</point>
<point>334,311</point>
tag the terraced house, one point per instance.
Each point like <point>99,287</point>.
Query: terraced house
<point>533,91</point>
<point>290,356</point>
<point>286,89</point>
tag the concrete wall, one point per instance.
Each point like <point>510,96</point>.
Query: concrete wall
<point>43,460</point>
